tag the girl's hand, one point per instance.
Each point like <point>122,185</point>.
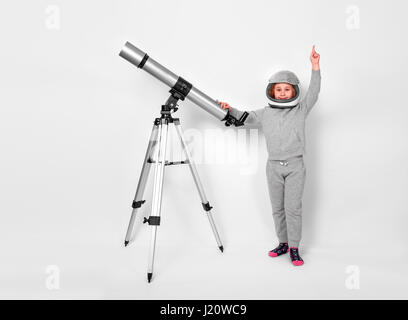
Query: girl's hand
<point>224,105</point>
<point>314,59</point>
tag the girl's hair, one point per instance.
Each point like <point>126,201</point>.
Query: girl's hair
<point>272,90</point>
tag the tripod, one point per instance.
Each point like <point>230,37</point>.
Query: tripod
<point>157,146</point>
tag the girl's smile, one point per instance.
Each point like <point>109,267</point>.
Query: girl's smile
<point>283,91</point>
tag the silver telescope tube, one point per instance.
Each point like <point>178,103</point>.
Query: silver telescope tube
<point>141,60</point>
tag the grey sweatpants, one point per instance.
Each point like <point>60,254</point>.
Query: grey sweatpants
<point>286,179</point>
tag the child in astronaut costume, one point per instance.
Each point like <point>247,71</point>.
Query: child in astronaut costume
<point>283,124</point>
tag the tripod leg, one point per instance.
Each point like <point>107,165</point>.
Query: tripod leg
<point>204,201</point>
<point>137,201</point>
<point>154,219</point>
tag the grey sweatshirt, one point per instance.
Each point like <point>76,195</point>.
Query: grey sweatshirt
<point>284,129</point>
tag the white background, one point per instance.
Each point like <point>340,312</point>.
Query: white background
<point>75,121</point>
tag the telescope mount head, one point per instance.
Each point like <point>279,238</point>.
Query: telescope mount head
<point>178,92</point>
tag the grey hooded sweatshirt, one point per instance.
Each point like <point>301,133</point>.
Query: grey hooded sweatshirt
<point>283,123</point>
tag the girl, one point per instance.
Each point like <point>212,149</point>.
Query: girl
<point>283,123</point>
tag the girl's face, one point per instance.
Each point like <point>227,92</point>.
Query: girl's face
<point>283,91</point>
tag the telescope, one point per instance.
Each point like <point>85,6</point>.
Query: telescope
<point>157,146</point>
<point>180,88</point>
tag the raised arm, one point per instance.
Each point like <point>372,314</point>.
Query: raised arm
<point>314,87</point>
<point>252,121</point>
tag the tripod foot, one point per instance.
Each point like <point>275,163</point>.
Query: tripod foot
<point>221,248</point>
<point>126,243</point>
<point>149,276</point>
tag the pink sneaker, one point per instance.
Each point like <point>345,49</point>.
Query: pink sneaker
<point>295,257</point>
<point>281,249</point>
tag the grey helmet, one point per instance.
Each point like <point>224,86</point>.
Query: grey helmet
<point>286,77</point>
